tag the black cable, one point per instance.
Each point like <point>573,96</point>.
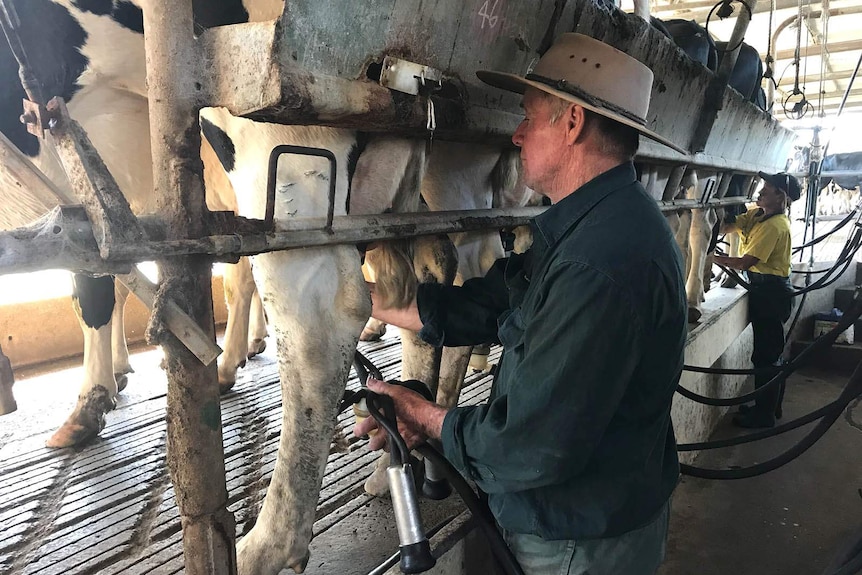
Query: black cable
<point>758,435</point>
<point>850,392</point>
<point>823,341</point>
<point>480,511</point>
<point>364,367</point>
<point>719,6</point>
<point>719,371</point>
<point>848,561</point>
<point>382,410</point>
<point>819,239</point>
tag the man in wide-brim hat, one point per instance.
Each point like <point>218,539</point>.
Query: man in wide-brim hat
<point>574,446</point>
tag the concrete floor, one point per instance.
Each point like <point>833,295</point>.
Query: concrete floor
<point>788,522</point>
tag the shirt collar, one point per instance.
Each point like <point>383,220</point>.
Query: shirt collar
<point>554,222</point>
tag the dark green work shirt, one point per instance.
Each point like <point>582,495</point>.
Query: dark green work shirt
<point>575,441</point>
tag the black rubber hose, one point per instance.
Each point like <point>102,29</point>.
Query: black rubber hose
<point>399,452</point>
<point>364,367</point>
<point>819,239</point>
<point>821,342</point>
<point>763,434</point>
<point>480,511</point>
<point>848,557</point>
<point>849,250</point>
<point>850,392</point>
<point>728,371</point>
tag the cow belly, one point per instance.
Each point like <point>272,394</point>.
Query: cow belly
<point>317,302</point>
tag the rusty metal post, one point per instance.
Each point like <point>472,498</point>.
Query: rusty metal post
<point>195,453</point>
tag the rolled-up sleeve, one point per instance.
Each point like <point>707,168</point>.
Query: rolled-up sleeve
<point>463,315</point>
<point>580,348</point>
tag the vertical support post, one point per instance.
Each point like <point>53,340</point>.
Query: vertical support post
<point>713,99</point>
<point>195,453</point>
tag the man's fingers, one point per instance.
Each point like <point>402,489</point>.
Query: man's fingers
<point>377,386</point>
<point>364,426</point>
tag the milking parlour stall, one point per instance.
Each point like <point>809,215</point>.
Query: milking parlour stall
<point>315,136</point>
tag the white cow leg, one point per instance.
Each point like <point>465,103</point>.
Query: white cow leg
<point>119,348</point>
<point>257,333</point>
<point>701,233</point>
<point>317,303</point>
<point>238,289</point>
<point>93,300</point>
<point>374,328</point>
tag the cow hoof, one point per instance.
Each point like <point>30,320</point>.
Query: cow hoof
<point>372,334</point>
<point>378,483</point>
<point>225,386</point>
<point>86,421</point>
<point>256,347</point>
<point>122,381</point>
<point>694,315</point>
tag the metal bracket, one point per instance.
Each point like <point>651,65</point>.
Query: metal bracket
<point>272,174</point>
<point>114,224</point>
<point>36,118</point>
<point>407,77</point>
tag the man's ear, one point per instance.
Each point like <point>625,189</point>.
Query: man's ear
<point>576,123</point>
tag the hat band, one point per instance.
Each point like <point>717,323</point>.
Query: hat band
<point>595,101</point>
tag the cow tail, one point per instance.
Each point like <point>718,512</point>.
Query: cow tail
<point>392,261</point>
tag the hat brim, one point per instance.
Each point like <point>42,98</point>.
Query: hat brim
<point>518,84</point>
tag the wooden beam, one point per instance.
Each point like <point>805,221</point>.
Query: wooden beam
<point>29,193</point>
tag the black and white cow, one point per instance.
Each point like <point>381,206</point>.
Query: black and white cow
<point>316,298</point>
<point>91,53</point>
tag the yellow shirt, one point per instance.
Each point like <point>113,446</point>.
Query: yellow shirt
<point>767,239</point>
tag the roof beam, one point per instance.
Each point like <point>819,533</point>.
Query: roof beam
<point>832,47</point>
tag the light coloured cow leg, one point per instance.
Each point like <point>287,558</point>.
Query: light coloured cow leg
<point>257,333</point>
<point>701,232</point>
<point>374,329</point>
<point>318,287</point>
<point>7,380</point>
<point>119,349</point>
<point>239,289</point>
<point>435,260</point>
<point>93,300</point>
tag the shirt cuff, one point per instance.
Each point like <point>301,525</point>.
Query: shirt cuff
<point>432,313</point>
<point>452,447</point>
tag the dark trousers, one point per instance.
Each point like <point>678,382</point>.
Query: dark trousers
<point>769,305</point>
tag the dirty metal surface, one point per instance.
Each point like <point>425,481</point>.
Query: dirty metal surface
<point>110,508</point>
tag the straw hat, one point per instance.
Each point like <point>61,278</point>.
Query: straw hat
<point>595,75</point>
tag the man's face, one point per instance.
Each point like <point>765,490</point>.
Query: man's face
<point>542,144</point>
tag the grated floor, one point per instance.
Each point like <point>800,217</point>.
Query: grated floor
<point>110,508</point>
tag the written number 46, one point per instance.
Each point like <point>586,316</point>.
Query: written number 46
<point>489,14</point>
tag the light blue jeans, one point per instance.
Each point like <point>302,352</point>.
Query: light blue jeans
<point>638,552</point>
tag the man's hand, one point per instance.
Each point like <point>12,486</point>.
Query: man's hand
<point>418,418</point>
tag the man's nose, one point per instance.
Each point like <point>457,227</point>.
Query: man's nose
<point>518,136</point>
